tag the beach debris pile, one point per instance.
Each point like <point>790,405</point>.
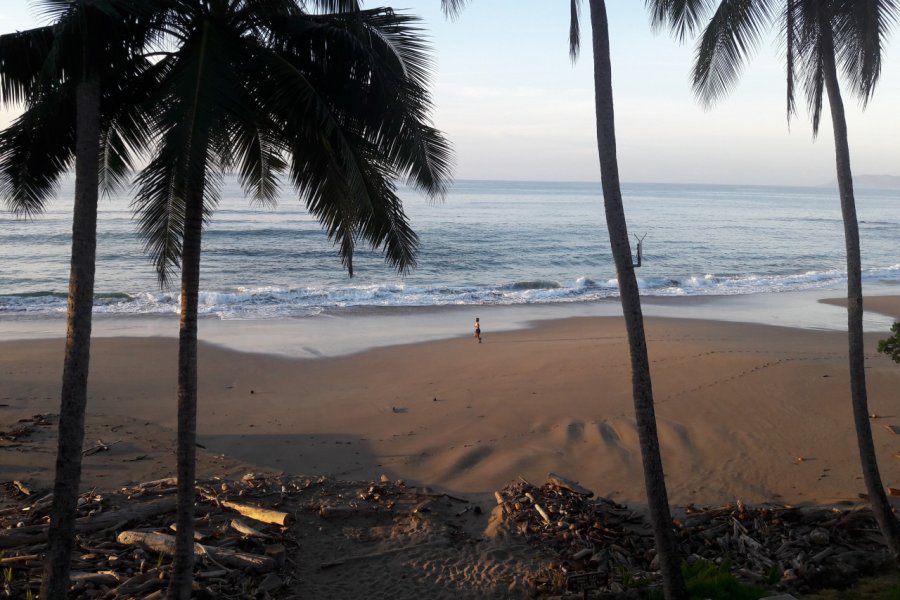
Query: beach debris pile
<point>600,544</point>
<point>125,542</point>
<point>275,536</point>
<point>262,537</point>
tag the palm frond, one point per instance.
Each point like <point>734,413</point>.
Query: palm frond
<point>574,29</point>
<point>35,150</point>
<point>115,162</point>
<point>54,10</point>
<point>257,155</point>
<point>386,226</point>
<point>816,42</point>
<point>791,41</point>
<point>159,209</point>
<point>22,58</point>
<point>384,63</point>
<point>453,8</point>
<point>682,17</point>
<point>731,35</point>
<point>333,192</point>
<point>333,6</point>
<point>860,30</point>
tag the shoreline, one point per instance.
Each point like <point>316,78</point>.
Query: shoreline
<point>350,331</point>
<point>738,405</point>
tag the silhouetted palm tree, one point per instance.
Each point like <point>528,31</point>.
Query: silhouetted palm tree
<point>79,81</point>
<point>818,36</point>
<point>642,390</point>
<point>337,102</point>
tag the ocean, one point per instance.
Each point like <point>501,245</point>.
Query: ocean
<point>488,243</point>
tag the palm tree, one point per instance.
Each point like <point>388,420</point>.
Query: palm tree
<point>77,80</point>
<point>642,390</point>
<point>818,36</point>
<point>337,102</point>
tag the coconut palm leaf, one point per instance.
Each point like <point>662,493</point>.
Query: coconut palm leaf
<point>390,67</point>
<point>22,58</point>
<point>732,34</point>
<point>813,19</point>
<point>860,29</point>
<point>36,150</point>
<point>258,158</point>
<point>574,29</point>
<point>682,17</point>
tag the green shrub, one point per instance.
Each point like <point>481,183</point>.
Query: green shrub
<point>891,345</point>
<point>708,581</point>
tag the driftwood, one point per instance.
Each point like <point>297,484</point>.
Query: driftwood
<point>100,446</point>
<point>9,560</point>
<point>100,578</point>
<point>165,482</point>
<point>245,529</point>
<point>257,513</point>
<point>567,484</point>
<point>161,542</point>
<point>35,534</point>
<point>805,547</point>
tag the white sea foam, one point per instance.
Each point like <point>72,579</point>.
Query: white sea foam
<point>267,302</point>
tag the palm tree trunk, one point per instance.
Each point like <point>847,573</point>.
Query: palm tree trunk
<point>877,498</point>
<point>654,481</point>
<point>73,400</point>
<point>183,567</point>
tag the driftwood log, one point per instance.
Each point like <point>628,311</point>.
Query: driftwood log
<point>36,534</point>
<point>161,542</point>
<point>263,515</point>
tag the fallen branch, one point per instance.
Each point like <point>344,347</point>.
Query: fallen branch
<point>100,447</point>
<point>161,542</point>
<point>9,560</point>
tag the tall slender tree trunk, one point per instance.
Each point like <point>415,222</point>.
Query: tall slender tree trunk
<point>55,583</point>
<point>887,522</point>
<point>654,481</point>
<point>183,567</point>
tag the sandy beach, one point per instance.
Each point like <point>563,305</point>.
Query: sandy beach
<point>739,406</point>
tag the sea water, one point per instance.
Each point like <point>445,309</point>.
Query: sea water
<point>494,243</point>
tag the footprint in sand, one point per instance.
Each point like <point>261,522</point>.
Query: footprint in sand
<point>469,460</point>
<point>575,431</point>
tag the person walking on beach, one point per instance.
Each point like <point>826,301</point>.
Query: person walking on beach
<point>478,330</point>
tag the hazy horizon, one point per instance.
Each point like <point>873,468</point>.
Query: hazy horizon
<point>515,108</point>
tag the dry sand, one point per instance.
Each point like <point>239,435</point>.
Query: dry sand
<point>737,406</point>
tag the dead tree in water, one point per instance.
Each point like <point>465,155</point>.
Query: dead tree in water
<point>640,250</point>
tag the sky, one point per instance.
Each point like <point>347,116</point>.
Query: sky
<point>515,107</point>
